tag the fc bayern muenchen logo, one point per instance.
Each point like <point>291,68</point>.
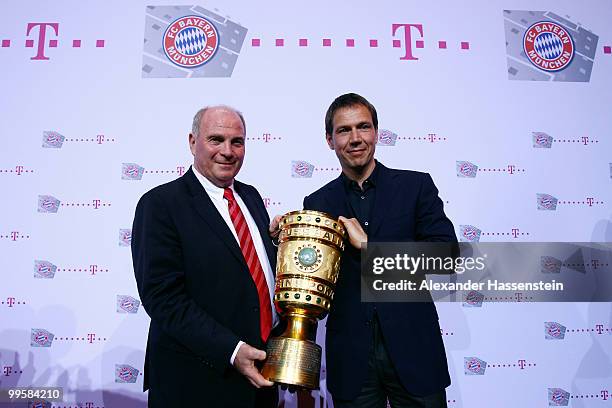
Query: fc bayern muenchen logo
<point>548,46</point>
<point>190,41</point>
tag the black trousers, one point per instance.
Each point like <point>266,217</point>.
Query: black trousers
<point>382,383</point>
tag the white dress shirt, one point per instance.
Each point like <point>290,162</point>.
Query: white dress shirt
<point>216,196</point>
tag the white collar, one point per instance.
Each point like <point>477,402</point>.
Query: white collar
<point>211,189</point>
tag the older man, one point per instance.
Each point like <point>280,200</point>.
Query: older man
<point>387,351</point>
<point>204,264</point>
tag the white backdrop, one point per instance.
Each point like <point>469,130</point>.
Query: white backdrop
<point>463,93</point>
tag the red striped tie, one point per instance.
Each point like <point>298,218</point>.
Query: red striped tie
<point>252,261</point>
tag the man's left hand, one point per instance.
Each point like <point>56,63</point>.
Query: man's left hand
<point>357,235</point>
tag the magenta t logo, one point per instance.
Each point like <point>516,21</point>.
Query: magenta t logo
<point>42,33</point>
<point>407,38</point>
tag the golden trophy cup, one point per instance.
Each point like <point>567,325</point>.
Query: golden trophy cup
<point>308,262</point>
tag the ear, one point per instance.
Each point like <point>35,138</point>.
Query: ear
<point>192,141</point>
<point>330,140</point>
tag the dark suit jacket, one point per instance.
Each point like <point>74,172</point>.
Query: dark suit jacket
<point>406,208</point>
<point>196,287</point>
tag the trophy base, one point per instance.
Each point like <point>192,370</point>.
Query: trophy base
<point>293,362</point>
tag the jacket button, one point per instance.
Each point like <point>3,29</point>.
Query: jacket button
<point>256,309</point>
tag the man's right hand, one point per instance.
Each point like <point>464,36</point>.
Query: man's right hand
<point>245,364</point>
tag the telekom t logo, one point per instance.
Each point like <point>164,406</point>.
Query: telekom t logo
<point>180,170</point>
<point>14,235</point>
<point>10,301</point>
<point>521,364</point>
<point>599,328</point>
<point>266,202</point>
<point>42,35</point>
<point>91,337</point>
<point>585,140</point>
<point>96,203</point>
<point>511,168</point>
<point>100,139</point>
<point>93,269</point>
<point>518,296</point>
<point>7,370</point>
<point>89,404</point>
<point>515,232</point>
<point>407,37</point>
<point>605,395</point>
<point>266,137</point>
<point>590,201</point>
<point>19,170</point>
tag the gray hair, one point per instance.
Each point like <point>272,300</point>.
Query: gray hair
<point>197,119</point>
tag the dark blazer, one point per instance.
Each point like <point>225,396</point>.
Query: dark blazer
<point>406,208</point>
<point>195,285</point>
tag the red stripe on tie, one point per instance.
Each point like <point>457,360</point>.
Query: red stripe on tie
<point>250,256</point>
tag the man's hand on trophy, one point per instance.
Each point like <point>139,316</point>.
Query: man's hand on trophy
<point>357,235</point>
<point>245,364</point>
<point>274,229</point>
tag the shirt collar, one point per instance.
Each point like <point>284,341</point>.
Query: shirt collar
<point>369,182</point>
<point>212,190</point>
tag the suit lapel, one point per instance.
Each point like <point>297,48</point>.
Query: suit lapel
<point>385,192</point>
<point>209,213</point>
<point>336,200</point>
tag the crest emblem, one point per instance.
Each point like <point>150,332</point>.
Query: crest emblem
<point>301,169</point>
<point>190,41</point>
<point>548,46</point>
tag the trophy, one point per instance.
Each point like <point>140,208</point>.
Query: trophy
<point>308,262</point>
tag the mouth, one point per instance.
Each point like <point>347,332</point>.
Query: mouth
<point>356,152</point>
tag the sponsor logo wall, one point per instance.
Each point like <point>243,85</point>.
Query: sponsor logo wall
<point>508,109</point>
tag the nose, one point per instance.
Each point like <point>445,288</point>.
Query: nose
<point>354,137</point>
<point>226,149</point>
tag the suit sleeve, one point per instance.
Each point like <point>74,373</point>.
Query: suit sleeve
<point>306,204</point>
<point>159,270</point>
<point>432,224</point>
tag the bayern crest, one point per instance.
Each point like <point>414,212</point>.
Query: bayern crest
<point>548,46</point>
<point>190,41</point>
